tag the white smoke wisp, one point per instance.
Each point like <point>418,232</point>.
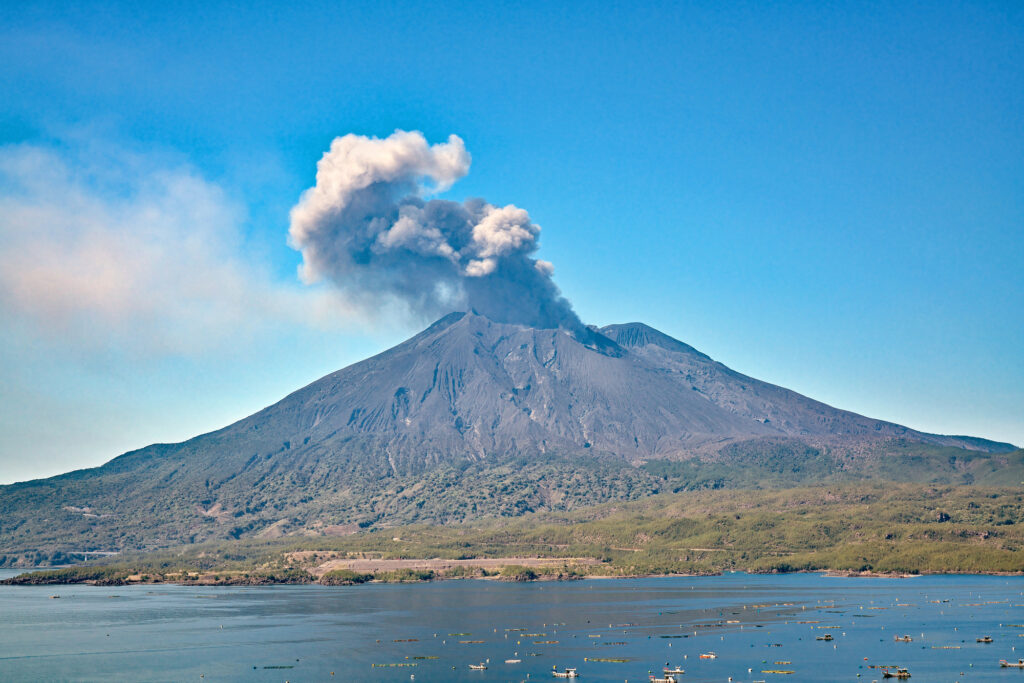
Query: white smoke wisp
<point>104,249</point>
<point>366,227</point>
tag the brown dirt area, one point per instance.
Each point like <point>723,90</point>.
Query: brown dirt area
<point>440,565</point>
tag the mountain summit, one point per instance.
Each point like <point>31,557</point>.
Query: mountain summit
<point>467,392</point>
<point>468,388</point>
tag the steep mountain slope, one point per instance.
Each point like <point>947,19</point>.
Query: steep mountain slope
<point>783,411</point>
<point>469,388</point>
<point>468,418</point>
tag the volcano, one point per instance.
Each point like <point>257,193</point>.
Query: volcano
<point>515,418</point>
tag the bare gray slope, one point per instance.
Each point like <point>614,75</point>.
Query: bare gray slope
<point>785,412</point>
<point>478,388</point>
<point>469,389</point>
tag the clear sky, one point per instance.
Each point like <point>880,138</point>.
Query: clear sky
<point>827,196</point>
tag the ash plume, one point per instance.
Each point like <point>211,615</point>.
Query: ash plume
<point>366,227</point>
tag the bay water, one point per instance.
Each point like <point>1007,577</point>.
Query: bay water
<point>757,626</point>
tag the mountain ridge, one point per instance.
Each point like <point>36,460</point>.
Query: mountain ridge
<point>448,364</point>
<point>541,418</point>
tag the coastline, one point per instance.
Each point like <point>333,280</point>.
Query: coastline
<point>54,577</point>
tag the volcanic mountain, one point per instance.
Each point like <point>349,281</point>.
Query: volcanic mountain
<point>470,417</point>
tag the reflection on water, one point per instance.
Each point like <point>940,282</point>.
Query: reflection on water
<point>303,633</point>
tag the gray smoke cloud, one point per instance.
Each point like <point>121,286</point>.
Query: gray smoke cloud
<point>366,227</point>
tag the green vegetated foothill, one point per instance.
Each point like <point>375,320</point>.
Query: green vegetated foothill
<point>458,494</point>
<point>901,528</point>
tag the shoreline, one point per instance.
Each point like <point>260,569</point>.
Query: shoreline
<point>226,579</point>
<point>832,574</point>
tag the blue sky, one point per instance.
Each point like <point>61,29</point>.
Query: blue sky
<point>828,196</point>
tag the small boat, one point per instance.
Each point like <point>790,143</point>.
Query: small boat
<point>568,673</point>
<point>669,678</point>
<point>827,636</point>
<point>55,597</point>
<point>903,639</point>
<point>709,655</point>
<point>899,673</point>
<point>478,667</point>
<point>513,661</point>
<point>1010,665</point>
<point>985,639</point>
<point>677,670</point>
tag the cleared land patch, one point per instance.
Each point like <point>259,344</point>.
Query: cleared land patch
<point>438,564</point>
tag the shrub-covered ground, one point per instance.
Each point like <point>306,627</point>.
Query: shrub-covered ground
<point>863,526</point>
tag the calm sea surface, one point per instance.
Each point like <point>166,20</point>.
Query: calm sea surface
<point>754,624</point>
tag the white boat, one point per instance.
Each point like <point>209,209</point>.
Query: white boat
<point>667,679</point>
<point>568,673</point>
<point>478,667</point>
<point>677,670</point>
<point>1010,665</point>
<point>513,661</point>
